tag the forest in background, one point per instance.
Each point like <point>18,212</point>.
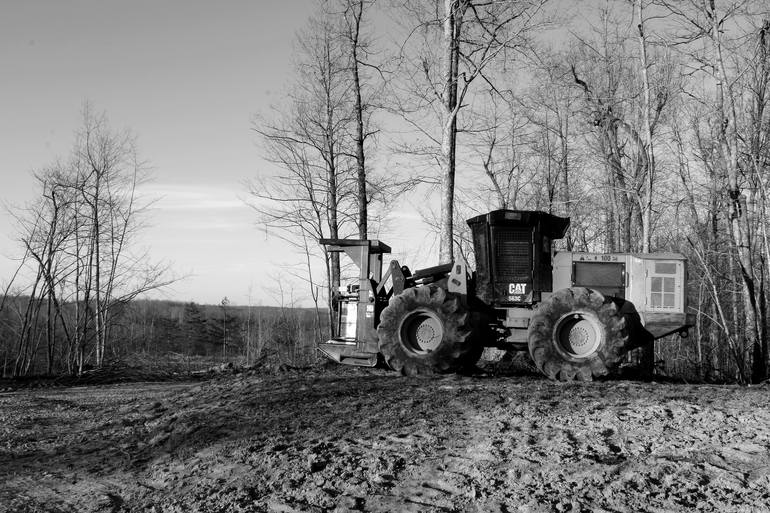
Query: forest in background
<point>645,122</point>
<point>181,337</point>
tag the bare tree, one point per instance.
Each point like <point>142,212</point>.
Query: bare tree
<point>314,194</point>
<point>321,138</point>
<point>359,50</point>
<point>647,127</point>
<point>78,236</point>
<point>626,107</point>
<point>725,133</point>
<point>726,50</point>
<point>108,170</point>
<point>471,36</point>
<point>499,149</point>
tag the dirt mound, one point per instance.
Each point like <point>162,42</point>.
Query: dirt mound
<point>368,440</point>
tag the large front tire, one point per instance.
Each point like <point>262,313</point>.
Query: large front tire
<point>425,330</point>
<point>577,334</point>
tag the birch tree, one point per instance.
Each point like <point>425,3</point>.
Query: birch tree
<point>728,55</point>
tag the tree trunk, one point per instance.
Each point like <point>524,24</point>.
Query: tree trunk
<point>453,16</point>
<point>740,225</point>
<point>565,171</point>
<point>648,352</point>
<point>332,207</point>
<point>647,131</point>
<point>758,155</point>
<point>357,7</point>
<point>96,227</point>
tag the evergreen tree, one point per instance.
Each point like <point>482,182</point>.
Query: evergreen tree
<point>195,330</point>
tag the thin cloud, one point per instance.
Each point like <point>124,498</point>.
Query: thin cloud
<point>191,197</point>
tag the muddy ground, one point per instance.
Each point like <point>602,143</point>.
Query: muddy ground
<point>368,440</point>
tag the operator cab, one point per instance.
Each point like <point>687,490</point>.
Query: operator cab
<point>513,255</point>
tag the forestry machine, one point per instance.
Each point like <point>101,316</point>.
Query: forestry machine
<point>577,314</point>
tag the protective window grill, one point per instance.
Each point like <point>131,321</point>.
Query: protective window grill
<point>513,254</point>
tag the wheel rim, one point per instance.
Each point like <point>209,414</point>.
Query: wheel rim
<point>578,335</point>
<point>421,332</point>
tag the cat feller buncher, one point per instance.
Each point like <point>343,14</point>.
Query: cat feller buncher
<point>577,314</point>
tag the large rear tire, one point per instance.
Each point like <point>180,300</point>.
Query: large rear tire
<point>577,334</point>
<point>425,330</point>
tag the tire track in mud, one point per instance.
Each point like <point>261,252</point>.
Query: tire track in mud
<point>371,441</point>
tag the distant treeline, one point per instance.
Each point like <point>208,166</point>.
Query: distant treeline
<point>157,330</point>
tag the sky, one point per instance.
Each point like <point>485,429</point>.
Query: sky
<point>186,77</point>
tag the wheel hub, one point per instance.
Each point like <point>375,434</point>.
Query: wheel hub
<point>422,332</point>
<point>578,335</point>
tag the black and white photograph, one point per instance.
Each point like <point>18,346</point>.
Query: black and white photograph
<point>383,256</point>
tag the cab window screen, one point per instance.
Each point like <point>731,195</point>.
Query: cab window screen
<point>665,268</point>
<point>599,274</point>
